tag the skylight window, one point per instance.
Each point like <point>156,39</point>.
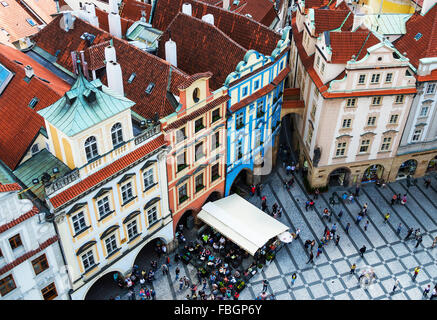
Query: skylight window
<point>418,36</point>
<point>150,87</point>
<point>31,22</point>
<point>5,4</point>
<point>5,77</point>
<point>132,77</point>
<point>33,102</point>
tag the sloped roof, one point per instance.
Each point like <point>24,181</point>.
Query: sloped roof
<point>325,20</point>
<point>262,11</point>
<point>132,10</point>
<point>345,44</point>
<point>19,122</point>
<point>43,8</point>
<point>215,51</point>
<point>426,45</point>
<point>153,69</point>
<point>9,187</point>
<point>72,117</point>
<point>245,31</point>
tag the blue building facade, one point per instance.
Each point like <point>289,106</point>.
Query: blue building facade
<point>254,110</point>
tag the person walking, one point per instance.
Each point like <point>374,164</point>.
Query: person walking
<point>347,228</point>
<point>404,199</point>
<point>293,278</point>
<point>177,271</point>
<point>398,230</point>
<point>204,283</point>
<point>393,200</point>
<point>395,285</point>
<point>252,190</point>
<point>353,267</point>
<point>427,183</point>
<point>419,241</point>
<point>362,251</point>
<point>337,240</point>
<point>316,193</point>
<point>307,204</point>
<point>416,272</point>
<point>334,229</point>
<point>351,198</point>
<point>434,243</point>
<point>297,234</point>
<point>265,285</point>
<point>366,225</point>
<point>312,204</point>
<point>164,268</point>
<point>307,244</point>
<point>319,250</point>
<point>359,218</point>
<point>311,259</point>
<point>279,212</point>
<point>433,294</point>
<point>386,217</point>
<point>340,214</point>
<point>409,233</point>
<point>181,284</point>
<point>426,290</point>
<point>313,243</point>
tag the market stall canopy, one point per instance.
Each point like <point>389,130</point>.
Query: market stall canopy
<point>241,222</point>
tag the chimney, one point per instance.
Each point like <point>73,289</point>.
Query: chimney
<point>226,4</point>
<point>171,52</point>
<point>209,18</point>
<point>358,20</point>
<point>186,8</point>
<point>426,6</point>
<point>67,20</point>
<point>28,70</point>
<point>91,14</point>
<point>114,24</point>
<point>113,71</point>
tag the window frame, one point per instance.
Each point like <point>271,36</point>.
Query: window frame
<point>52,287</point>
<point>387,76</point>
<point>148,174</point>
<point>215,177</point>
<point>105,204</point>
<point>340,149</point>
<point>14,240</point>
<point>124,190</point>
<point>132,225</point>
<point>39,262</point>
<point>386,143</point>
<point>117,134</point>
<point>112,239</point>
<point>73,221</point>
<point>91,148</point>
<point>184,197</point>
<point>365,145</point>
<point>89,256</point>
<point>363,77</point>
<point>154,215</point>
<point>375,78</point>
<point>6,286</point>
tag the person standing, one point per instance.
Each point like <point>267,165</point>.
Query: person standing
<point>395,285</point>
<point>419,241</point>
<point>398,230</point>
<point>426,290</point>
<point>347,228</point>
<point>393,199</point>
<point>265,285</point>
<point>334,229</point>
<point>362,251</point>
<point>312,204</point>
<point>307,204</point>
<point>409,233</point>
<point>252,190</point>
<point>416,272</point>
<point>434,242</point>
<point>386,217</point>
<point>316,193</point>
<point>404,199</point>
<point>181,284</point>
<point>177,271</point>
<point>359,218</point>
<point>353,267</point>
<point>337,240</point>
<point>340,214</point>
<point>434,293</point>
<point>293,278</point>
<point>357,190</point>
<point>204,284</point>
<point>319,250</point>
<point>313,243</point>
<point>427,183</point>
<point>366,225</point>
<point>297,234</point>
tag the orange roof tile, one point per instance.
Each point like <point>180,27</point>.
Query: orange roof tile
<point>345,44</point>
<point>326,20</point>
<point>18,121</point>
<point>132,10</point>
<point>77,189</point>
<point>13,21</point>
<point>9,187</point>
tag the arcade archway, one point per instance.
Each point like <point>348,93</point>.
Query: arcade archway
<point>106,287</point>
<point>242,182</point>
<point>373,173</point>
<point>339,177</point>
<point>432,165</point>
<point>407,168</point>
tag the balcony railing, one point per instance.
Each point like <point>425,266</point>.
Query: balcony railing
<point>150,132</point>
<point>62,182</point>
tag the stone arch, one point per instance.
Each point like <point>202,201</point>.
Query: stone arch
<point>408,167</point>
<point>339,177</point>
<point>106,281</point>
<point>432,165</point>
<point>244,175</point>
<point>373,172</point>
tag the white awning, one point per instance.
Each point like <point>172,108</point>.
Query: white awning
<point>241,222</point>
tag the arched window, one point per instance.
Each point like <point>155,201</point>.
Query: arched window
<point>91,148</point>
<point>117,134</point>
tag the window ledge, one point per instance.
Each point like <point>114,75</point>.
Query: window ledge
<point>90,269</point>
<point>127,201</point>
<point>150,187</point>
<point>385,151</point>
<point>153,224</point>
<point>106,215</point>
<point>82,231</point>
<point>339,157</point>
<point>113,253</point>
<point>134,238</point>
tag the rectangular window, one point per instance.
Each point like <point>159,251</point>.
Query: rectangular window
<point>351,102</point>
<point>215,140</point>
<point>371,121</point>
<point>215,115</point>
<point>198,151</point>
<point>347,123</point>
<point>180,135</point>
<point>199,182</point>
<point>88,260</point>
<point>40,264</point>
<point>256,85</point>
<point>239,120</point>
<point>15,242</point>
<point>181,161</point>
<point>198,125</point>
<point>376,101</point>
<point>394,118</point>
<point>317,61</point>
<point>341,149</point>
<point>78,222</point>
<point>364,145</point>
<point>375,78</point>
<point>313,111</point>
<point>132,230</point>
<point>239,150</point>
<point>362,79</point>
<point>259,108</point>
<point>183,193</point>
<point>244,93</point>
<point>257,138</point>
<point>49,292</point>
<point>152,215</point>
<point>7,284</point>
<point>399,99</point>
<point>424,111</point>
<point>111,244</point>
<point>386,144</point>
<point>322,68</point>
<point>103,206</point>
<point>148,178</point>
<point>431,88</point>
<point>126,192</point>
<point>417,134</point>
<point>215,172</point>
<point>388,77</point>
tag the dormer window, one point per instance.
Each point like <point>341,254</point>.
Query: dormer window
<point>418,36</point>
<point>91,148</point>
<point>116,134</point>
<point>196,94</point>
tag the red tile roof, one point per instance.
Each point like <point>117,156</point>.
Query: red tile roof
<point>431,77</point>
<point>9,187</point>
<point>316,3</point>
<point>243,30</point>
<point>104,24</point>
<point>18,121</point>
<point>132,10</point>
<point>424,47</point>
<point>194,78</point>
<point>262,11</point>
<point>28,255</point>
<point>77,189</point>
<point>153,69</point>
<point>345,44</point>
<point>326,20</point>
<point>215,51</point>
<point>281,76</point>
<point>20,219</point>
